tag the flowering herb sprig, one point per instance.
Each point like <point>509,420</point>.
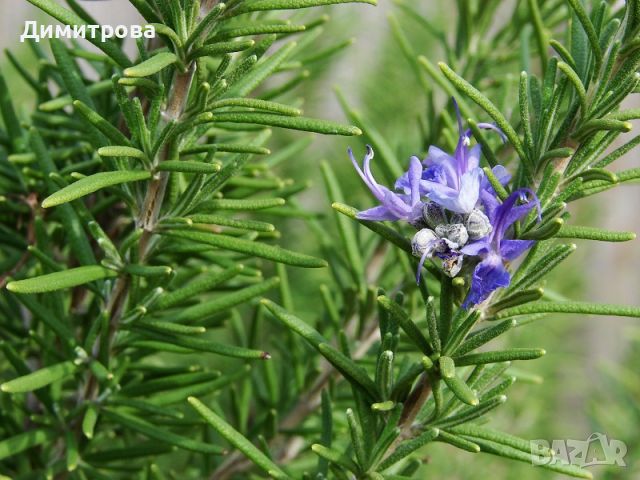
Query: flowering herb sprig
<point>461,222</point>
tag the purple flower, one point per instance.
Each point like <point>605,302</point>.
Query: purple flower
<point>443,244</point>
<point>393,206</point>
<point>452,181</point>
<point>495,249</point>
<point>456,212</point>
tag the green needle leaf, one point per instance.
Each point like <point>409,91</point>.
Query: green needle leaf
<point>89,421</point>
<point>471,413</point>
<point>202,284</point>
<point>496,436</point>
<point>458,441</point>
<point>571,307</point>
<point>517,298</point>
<point>145,428</point>
<point>103,125</point>
<point>357,440</point>
<point>594,174</point>
<point>69,71</point>
<point>219,49</point>
<point>392,168</point>
<point>63,279</point>
<point>486,104</point>
<point>225,302</point>
<point>583,17</point>
<point>514,454</point>
<point>541,267</point>
<point>577,84</point>
<point>546,230</point>
<point>500,356</point>
<point>294,123</point>
<point>484,336</point>
<point>432,325</point>
<point>261,5</point>
<point>447,367</point>
<point>71,445</point>
<point>259,29</point>
<point>170,327</point>
<point>121,151</point>
<point>406,323</point>
<point>292,322</point>
<point>335,457</point>
<point>256,103</point>
<point>495,183</point>
<point>563,52</point>
<point>139,450</point>
<point>345,226</point>
<point>408,447</point>
<point>169,383</point>
<point>204,345</point>
<point>347,367</point>
<point>541,35</point>
<point>461,390</point>
<point>342,363</point>
<point>39,378</point>
<point>187,166</point>
<point>387,233</point>
<point>152,65</point>
<point>270,252</point>
<point>254,225</point>
<point>236,439</point>
<point>23,441</point>
<point>384,373</point>
<point>93,183</point>
<point>592,233</point>
<point>603,124</point>
<point>248,204</point>
<point>149,271</point>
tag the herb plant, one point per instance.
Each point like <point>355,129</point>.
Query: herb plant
<point>149,326</point>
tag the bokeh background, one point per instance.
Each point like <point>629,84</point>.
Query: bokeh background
<point>589,381</point>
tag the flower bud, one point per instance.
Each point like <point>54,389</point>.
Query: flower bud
<point>457,218</point>
<point>433,214</point>
<point>478,225</point>
<point>424,240</point>
<point>456,233</point>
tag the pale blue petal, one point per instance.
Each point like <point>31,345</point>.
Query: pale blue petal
<point>377,214</point>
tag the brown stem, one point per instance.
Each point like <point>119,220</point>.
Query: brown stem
<point>417,398</point>
<point>148,215</point>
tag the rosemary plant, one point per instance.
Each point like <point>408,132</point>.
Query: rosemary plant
<point>149,328</point>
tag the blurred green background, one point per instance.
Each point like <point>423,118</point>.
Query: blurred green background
<point>591,381</point>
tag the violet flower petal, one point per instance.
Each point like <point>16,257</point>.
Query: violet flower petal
<point>489,275</point>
